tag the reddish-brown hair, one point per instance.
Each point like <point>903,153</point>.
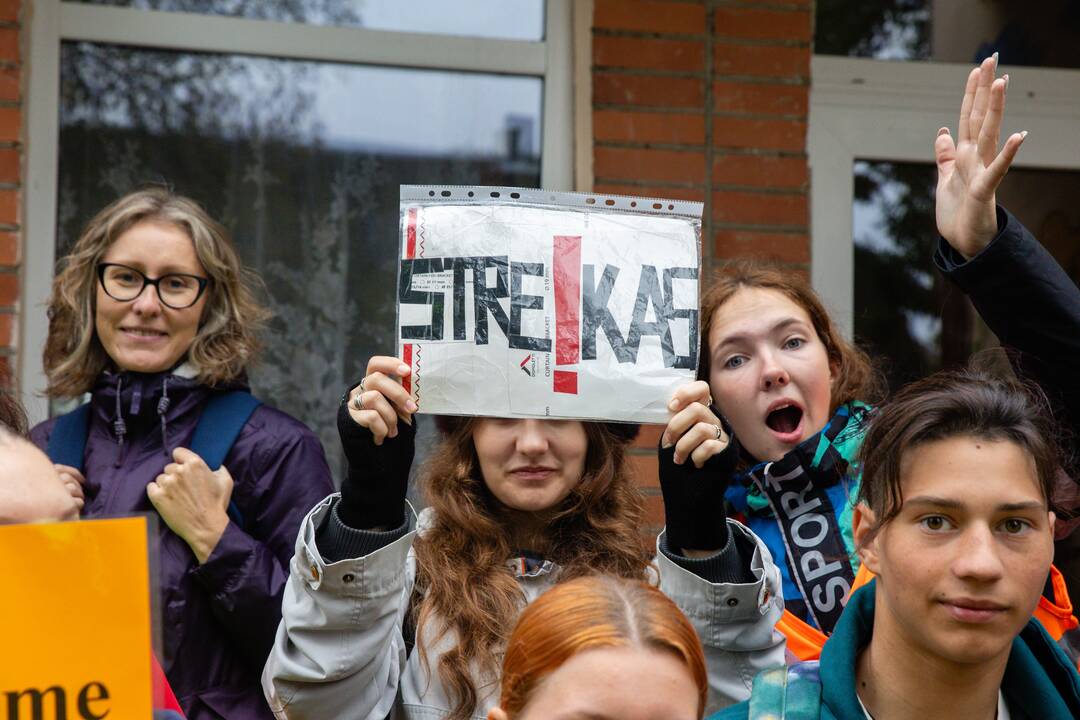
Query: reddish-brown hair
<point>592,612</point>
<point>465,584</point>
<point>856,378</point>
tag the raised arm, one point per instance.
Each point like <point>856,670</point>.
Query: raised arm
<point>1019,290</point>
<point>339,650</point>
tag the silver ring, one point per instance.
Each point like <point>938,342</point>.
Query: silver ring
<point>358,399</point>
<point>719,432</point>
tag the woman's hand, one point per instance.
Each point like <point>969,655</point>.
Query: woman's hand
<point>694,429</point>
<point>193,501</point>
<point>971,168</point>
<point>73,482</point>
<point>382,399</point>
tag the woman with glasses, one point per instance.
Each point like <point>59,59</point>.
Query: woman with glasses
<point>153,315</point>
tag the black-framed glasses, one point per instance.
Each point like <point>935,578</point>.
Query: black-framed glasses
<point>175,290</point>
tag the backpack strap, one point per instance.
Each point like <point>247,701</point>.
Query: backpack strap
<point>219,425</point>
<point>67,441</point>
<point>790,693</point>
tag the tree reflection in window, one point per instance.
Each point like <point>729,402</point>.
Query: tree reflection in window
<point>302,162</point>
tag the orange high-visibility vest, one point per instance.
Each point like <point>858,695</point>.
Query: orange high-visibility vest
<point>805,642</point>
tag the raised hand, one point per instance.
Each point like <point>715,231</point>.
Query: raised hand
<point>379,400</point>
<point>693,429</point>
<point>971,167</point>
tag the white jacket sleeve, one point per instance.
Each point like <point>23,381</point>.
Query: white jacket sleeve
<point>339,650</point>
<point>736,622</point>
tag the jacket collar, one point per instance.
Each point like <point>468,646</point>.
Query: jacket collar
<point>1039,677</point>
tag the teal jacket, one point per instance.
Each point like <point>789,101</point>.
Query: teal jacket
<point>1039,683</point>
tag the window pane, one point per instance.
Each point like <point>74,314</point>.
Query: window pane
<point>302,162</point>
<point>517,20</point>
<point>1042,34</point>
<point>906,313</point>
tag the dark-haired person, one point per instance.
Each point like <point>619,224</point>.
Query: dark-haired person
<point>795,394</point>
<point>386,615</point>
<point>152,314</point>
<point>954,520</point>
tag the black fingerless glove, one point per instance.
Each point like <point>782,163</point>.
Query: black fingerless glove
<point>373,492</point>
<point>694,499</point>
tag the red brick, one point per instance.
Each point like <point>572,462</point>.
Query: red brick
<point>653,17</point>
<point>9,249</point>
<point>760,171</point>
<point>645,469</point>
<point>9,10</point>
<point>771,99</point>
<point>9,165</point>
<point>647,191</point>
<point>779,247</point>
<point>9,207</point>
<point>648,127</point>
<point>10,124</point>
<point>9,84</point>
<point>761,60</point>
<point>630,52</point>
<point>752,208</point>
<point>649,437</point>
<point>7,329</point>
<point>756,24</point>
<point>734,132</point>
<point>9,44</point>
<point>654,512</point>
<point>9,289</point>
<point>654,165</point>
<point>667,92</point>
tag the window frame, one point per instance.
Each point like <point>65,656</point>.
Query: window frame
<point>52,22</point>
<point>891,110</point>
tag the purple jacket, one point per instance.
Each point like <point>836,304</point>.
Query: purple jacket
<point>218,619</point>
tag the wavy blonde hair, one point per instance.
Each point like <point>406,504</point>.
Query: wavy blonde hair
<point>227,339</point>
<point>464,583</point>
<point>589,613</point>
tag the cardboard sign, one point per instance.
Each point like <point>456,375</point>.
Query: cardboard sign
<point>75,618</point>
<point>526,303</point>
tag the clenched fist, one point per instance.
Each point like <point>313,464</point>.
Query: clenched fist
<point>193,501</point>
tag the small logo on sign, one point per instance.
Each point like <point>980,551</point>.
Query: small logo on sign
<point>528,365</point>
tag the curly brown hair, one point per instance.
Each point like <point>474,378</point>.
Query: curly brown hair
<point>856,377</point>
<point>228,336</point>
<point>464,583</point>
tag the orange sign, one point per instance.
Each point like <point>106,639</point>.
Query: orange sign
<point>75,619</point>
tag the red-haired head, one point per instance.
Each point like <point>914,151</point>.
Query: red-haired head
<point>603,645</point>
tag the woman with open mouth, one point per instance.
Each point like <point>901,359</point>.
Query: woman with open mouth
<point>771,429</point>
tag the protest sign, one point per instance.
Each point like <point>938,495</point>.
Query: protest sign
<point>75,618</point>
<point>527,303</point>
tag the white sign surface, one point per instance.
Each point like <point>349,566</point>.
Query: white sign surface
<point>525,303</point>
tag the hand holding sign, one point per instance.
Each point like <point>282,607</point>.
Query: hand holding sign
<point>193,500</point>
<point>379,400</point>
<point>694,430</point>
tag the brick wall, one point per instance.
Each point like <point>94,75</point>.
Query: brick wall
<point>706,101</point>
<point>11,43</point>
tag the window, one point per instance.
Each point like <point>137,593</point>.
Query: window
<point>906,312</point>
<point>297,141</point>
<point>1039,34</point>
